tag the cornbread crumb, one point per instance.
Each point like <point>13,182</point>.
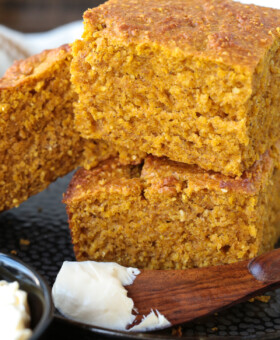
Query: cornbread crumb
<point>263,298</point>
<point>24,242</point>
<point>177,331</point>
<point>137,216</point>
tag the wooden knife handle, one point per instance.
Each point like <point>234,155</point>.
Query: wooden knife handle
<point>266,267</point>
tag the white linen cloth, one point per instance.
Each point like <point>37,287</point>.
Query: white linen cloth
<point>15,45</point>
<point>265,3</point>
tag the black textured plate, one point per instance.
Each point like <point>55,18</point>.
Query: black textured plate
<point>37,233</point>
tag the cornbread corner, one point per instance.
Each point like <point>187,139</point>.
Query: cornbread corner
<point>38,140</point>
<point>197,82</point>
<point>172,215</point>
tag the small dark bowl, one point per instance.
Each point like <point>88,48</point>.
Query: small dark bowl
<point>39,295</point>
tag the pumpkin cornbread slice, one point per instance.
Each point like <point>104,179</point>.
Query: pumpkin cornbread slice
<point>172,215</point>
<point>38,140</point>
<point>196,81</point>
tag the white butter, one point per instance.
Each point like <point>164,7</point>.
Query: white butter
<point>93,293</point>
<point>151,322</point>
<point>14,312</point>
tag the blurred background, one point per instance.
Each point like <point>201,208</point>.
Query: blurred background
<point>42,15</point>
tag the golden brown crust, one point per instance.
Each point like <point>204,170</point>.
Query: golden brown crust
<point>24,70</point>
<point>162,170</point>
<point>221,30</point>
<point>163,175</point>
<point>107,174</point>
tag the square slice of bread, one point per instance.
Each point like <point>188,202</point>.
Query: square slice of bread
<point>38,140</point>
<point>196,81</point>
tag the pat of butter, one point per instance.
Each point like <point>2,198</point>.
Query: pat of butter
<point>14,312</point>
<point>94,293</point>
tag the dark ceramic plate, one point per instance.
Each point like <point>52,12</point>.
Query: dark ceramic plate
<point>39,296</point>
<point>38,234</point>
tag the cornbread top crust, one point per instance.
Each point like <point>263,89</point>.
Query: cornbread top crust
<point>23,71</point>
<point>164,176</point>
<point>220,30</point>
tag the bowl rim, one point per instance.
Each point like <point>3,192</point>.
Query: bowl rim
<point>41,283</point>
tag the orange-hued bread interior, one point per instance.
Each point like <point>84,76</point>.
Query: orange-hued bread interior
<point>196,81</point>
<point>38,140</point>
<point>165,214</point>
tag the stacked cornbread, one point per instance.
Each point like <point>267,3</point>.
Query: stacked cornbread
<point>195,83</point>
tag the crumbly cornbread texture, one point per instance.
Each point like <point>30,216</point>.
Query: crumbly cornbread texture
<point>172,215</point>
<point>196,81</point>
<point>38,140</point>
